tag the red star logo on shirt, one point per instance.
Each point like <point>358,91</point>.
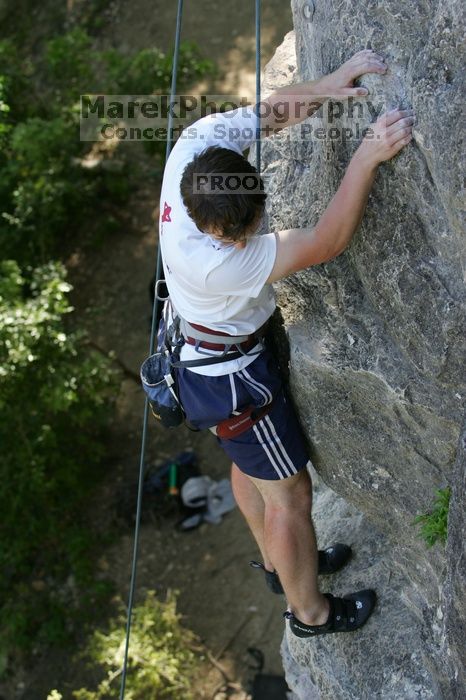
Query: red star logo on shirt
<point>166,212</point>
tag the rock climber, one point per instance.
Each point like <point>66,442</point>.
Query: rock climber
<point>219,270</point>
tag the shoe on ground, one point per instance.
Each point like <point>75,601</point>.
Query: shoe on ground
<point>331,560</point>
<point>347,614</point>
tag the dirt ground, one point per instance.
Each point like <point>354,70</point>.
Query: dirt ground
<point>222,599</point>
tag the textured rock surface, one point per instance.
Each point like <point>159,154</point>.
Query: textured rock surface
<point>337,666</point>
<point>377,336</point>
<point>454,589</point>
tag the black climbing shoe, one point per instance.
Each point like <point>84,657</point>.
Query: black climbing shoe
<point>330,560</point>
<point>333,558</point>
<point>346,615</point>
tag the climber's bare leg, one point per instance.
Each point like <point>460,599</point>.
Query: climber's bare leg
<point>251,504</point>
<point>290,542</point>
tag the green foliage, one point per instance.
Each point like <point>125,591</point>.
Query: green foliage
<point>161,660</point>
<point>150,71</point>
<point>37,143</point>
<point>67,60</point>
<point>14,72</point>
<point>75,68</point>
<point>4,112</point>
<point>434,524</point>
<point>46,193</point>
<point>55,395</point>
<point>54,400</point>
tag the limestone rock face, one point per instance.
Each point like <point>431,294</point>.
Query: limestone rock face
<point>376,336</point>
<point>385,659</point>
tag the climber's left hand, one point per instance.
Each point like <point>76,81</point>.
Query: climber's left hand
<point>341,81</point>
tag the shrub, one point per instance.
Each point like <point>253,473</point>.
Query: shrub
<point>435,524</point>
<point>4,112</point>
<point>69,64</point>
<point>161,660</point>
<point>54,394</point>
<point>14,70</point>
<point>54,400</point>
<point>46,194</point>
<point>150,71</point>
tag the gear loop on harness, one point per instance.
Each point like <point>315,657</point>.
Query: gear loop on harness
<point>157,293</point>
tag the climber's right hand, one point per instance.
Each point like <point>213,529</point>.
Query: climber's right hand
<point>387,136</point>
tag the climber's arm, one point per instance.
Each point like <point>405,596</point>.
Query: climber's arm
<point>291,104</point>
<point>298,249</point>
<point>301,248</point>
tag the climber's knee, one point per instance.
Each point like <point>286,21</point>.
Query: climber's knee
<point>295,492</point>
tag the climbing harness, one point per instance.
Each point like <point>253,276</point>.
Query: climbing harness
<point>159,381</point>
<point>155,308</point>
<point>158,378</point>
<point>201,337</point>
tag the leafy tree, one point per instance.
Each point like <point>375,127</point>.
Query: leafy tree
<point>54,400</point>
<point>161,661</point>
<point>46,192</point>
<point>55,395</point>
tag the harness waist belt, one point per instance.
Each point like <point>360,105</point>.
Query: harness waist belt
<point>199,335</point>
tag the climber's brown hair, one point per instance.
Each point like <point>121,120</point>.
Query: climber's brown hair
<point>233,213</point>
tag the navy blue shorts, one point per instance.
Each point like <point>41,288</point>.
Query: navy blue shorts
<point>274,447</point>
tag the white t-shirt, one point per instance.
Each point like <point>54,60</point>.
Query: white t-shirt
<point>212,284</point>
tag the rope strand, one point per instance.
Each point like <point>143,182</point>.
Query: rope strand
<point>155,307</point>
<point>258,84</point>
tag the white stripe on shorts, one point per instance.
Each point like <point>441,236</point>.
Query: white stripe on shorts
<point>261,388</point>
<point>267,451</point>
<point>280,445</point>
<point>271,442</point>
<point>234,398</point>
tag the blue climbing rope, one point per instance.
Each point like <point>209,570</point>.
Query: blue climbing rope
<point>258,84</point>
<point>155,308</point>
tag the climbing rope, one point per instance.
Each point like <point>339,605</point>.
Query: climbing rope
<point>258,84</point>
<point>155,309</point>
